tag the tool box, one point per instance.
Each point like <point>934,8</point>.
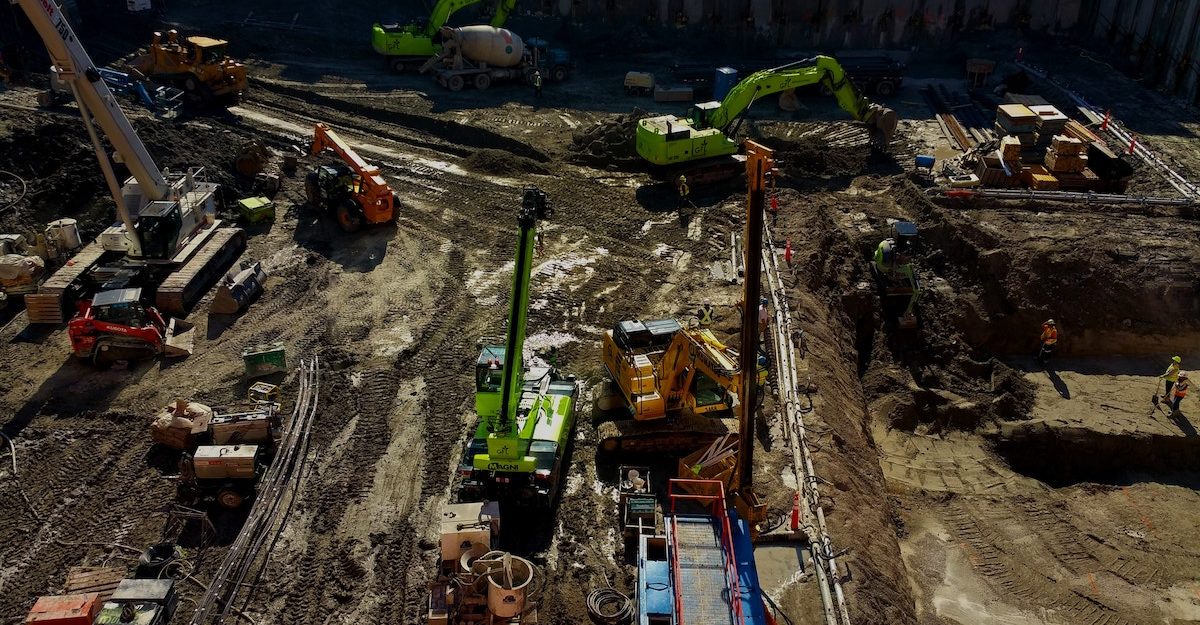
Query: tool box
<point>256,209</point>
<point>264,359</point>
<point>65,610</point>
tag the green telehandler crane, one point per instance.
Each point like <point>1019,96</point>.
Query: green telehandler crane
<point>407,46</point>
<point>526,413</point>
<point>707,134</point>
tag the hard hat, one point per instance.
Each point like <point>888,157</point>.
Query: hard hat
<point>763,301</point>
<point>1183,375</point>
<point>1176,359</point>
<point>1049,322</point>
<point>708,302</point>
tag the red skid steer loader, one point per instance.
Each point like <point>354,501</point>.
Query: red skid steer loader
<point>114,325</point>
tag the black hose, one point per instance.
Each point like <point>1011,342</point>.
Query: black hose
<point>607,606</point>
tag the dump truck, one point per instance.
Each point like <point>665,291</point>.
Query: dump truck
<point>482,55</point>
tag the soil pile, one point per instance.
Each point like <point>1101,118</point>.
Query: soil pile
<point>501,163</point>
<point>611,143</point>
<point>1011,268</point>
<point>59,167</point>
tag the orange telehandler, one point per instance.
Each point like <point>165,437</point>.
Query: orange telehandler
<point>355,193</point>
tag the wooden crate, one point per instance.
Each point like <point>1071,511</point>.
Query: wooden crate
<point>101,580</point>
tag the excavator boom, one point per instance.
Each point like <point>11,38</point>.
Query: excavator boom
<point>665,140</point>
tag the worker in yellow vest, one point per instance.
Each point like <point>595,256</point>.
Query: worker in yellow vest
<point>1171,376</point>
<point>705,314</point>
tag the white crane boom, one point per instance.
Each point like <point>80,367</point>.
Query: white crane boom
<point>96,102</point>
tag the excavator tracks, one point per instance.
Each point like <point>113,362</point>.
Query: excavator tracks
<point>674,436</point>
<point>186,285</point>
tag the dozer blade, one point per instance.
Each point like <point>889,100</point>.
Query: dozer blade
<point>238,288</point>
<point>181,339</point>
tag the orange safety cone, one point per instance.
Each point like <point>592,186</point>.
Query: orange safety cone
<point>796,512</point>
<point>787,253</point>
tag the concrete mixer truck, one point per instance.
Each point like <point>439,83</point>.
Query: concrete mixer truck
<point>481,55</point>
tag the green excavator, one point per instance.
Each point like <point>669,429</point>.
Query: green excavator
<point>526,413</point>
<point>701,144</point>
<point>407,46</point>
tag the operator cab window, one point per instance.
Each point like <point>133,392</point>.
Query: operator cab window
<point>706,391</point>
<point>128,314</point>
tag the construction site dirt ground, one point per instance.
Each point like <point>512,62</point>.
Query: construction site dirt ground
<point>966,484</point>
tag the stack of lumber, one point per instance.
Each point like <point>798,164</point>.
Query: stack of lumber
<point>992,173</point>
<point>1066,155</point>
<point>1050,122</point>
<point>1017,120</point>
<point>1079,131</point>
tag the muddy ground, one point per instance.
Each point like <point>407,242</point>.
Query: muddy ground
<point>963,479</point>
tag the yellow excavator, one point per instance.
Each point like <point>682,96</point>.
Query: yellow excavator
<point>682,388</point>
<point>702,145</point>
<point>680,385</point>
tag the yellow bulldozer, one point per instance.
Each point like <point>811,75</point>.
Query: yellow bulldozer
<point>198,65</point>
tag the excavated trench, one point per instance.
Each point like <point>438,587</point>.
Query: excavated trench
<point>1062,456</point>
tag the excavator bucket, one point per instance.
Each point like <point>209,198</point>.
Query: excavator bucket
<point>238,288</point>
<point>883,122</point>
<point>181,339</point>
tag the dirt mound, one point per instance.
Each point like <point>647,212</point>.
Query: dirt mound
<point>609,143</point>
<point>55,159</point>
<point>59,168</point>
<point>501,163</point>
<point>805,149</point>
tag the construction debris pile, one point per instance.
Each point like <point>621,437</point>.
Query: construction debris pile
<point>608,143</point>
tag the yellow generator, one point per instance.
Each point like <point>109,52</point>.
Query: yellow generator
<point>198,65</point>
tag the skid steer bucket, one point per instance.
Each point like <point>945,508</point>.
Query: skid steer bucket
<point>181,339</point>
<point>238,288</point>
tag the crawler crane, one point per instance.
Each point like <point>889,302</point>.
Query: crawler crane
<point>168,247</point>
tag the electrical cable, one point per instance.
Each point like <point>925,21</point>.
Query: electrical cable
<point>24,190</point>
<point>608,606</point>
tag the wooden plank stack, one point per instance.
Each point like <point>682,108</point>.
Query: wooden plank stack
<point>1066,155</point>
<point>1017,120</point>
<point>1050,122</point>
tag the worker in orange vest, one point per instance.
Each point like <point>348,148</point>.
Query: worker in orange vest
<point>1049,339</point>
<point>1181,389</point>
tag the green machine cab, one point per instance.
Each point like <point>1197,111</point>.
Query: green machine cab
<point>709,129</point>
<point>526,411</point>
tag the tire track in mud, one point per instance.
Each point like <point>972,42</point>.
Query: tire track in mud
<point>1021,579</point>
<point>453,133</point>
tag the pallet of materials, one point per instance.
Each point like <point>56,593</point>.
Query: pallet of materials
<point>100,580</point>
<point>1050,122</point>
<point>991,173</point>
<point>1066,155</point>
<point>1016,119</point>
<point>1085,180</point>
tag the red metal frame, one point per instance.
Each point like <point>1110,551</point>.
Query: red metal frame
<point>716,503</point>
